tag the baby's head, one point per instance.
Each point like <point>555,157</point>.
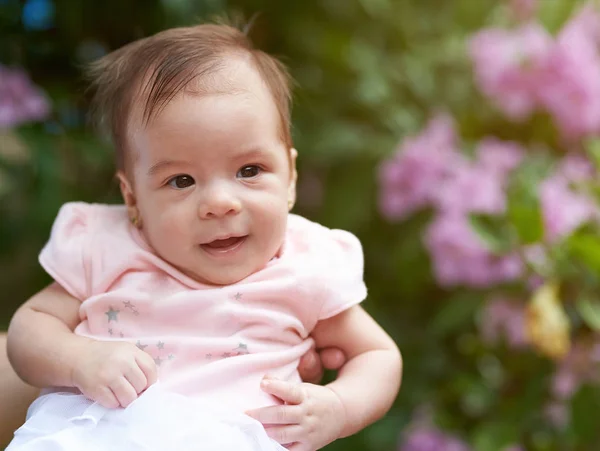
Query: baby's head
<point>200,122</point>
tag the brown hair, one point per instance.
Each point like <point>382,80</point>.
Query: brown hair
<point>158,67</point>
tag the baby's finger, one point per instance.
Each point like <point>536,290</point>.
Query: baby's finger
<point>124,392</point>
<point>136,377</point>
<point>286,391</point>
<point>147,365</point>
<point>285,435</point>
<point>105,397</point>
<point>286,414</point>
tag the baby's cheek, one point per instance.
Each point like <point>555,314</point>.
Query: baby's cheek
<point>174,220</point>
<point>165,225</point>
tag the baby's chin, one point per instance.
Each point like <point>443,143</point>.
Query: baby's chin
<point>221,276</point>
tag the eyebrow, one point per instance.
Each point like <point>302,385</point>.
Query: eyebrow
<point>162,165</point>
<point>252,152</point>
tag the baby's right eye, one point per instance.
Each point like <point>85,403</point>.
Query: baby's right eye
<point>181,181</point>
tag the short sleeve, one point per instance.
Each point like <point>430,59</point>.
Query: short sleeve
<point>345,286</point>
<point>66,256</point>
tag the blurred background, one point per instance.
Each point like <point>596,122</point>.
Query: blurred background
<point>458,139</point>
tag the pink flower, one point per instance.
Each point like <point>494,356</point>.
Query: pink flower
<point>577,368</point>
<point>507,65</point>
<point>459,256</point>
<point>576,168</point>
<point>504,319</point>
<point>472,189</point>
<point>20,100</point>
<point>569,85</point>
<point>409,179</point>
<point>480,186</point>
<point>500,157</point>
<point>563,208</point>
<point>429,438</point>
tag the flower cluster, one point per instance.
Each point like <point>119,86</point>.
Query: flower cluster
<point>526,69</point>
<point>20,100</point>
<point>429,170</point>
<point>429,438</point>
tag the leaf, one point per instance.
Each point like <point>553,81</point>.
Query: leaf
<point>527,221</point>
<point>585,247</point>
<point>493,232</point>
<point>524,210</point>
<point>455,314</point>
<point>592,148</point>
<point>495,435</point>
<point>589,312</point>
<point>553,14</point>
<point>583,422</point>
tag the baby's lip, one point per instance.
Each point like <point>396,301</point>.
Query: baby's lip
<point>224,237</point>
<point>224,246</point>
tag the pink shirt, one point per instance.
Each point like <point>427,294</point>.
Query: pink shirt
<point>211,342</point>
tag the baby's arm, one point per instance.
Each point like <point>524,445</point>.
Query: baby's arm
<point>369,382</point>
<point>365,389</point>
<point>45,352</point>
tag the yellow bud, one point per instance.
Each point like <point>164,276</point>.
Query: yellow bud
<point>547,324</point>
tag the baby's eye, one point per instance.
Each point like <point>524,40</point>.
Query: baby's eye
<point>247,172</point>
<point>181,181</point>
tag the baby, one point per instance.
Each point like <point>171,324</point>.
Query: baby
<point>192,304</point>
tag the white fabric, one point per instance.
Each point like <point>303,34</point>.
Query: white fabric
<point>158,420</point>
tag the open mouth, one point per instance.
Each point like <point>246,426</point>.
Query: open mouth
<point>225,245</point>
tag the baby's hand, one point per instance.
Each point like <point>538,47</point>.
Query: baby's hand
<point>113,373</point>
<point>312,417</point>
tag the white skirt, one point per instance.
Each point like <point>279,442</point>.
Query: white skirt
<point>157,421</point>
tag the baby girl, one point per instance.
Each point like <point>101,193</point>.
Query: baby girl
<point>178,319</point>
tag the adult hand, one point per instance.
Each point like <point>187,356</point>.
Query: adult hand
<point>313,363</point>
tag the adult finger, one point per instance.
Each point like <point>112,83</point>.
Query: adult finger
<point>298,446</point>
<point>332,358</point>
<point>310,367</point>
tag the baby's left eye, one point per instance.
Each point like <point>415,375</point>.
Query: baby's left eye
<point>247,172</point>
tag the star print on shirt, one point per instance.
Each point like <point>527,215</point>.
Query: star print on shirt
<point>112,315</point>
<point>242,349</point>
<point>140,345</point>
<point>158,361</point>
<point>238,296</point>
<point>160,345</point>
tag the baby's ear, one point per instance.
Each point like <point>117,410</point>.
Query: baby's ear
<point>293,178</point>
<point>128,198</point>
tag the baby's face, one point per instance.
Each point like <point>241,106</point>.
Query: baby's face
<point>211,180</point>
